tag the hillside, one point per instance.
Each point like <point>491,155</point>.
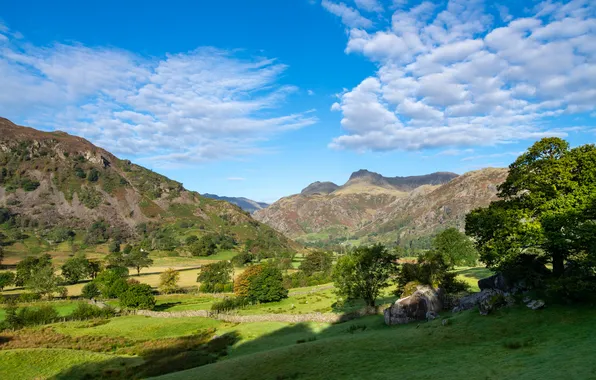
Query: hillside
<point>53,179</point>
<point>244,203</point>
<point>370,207</point>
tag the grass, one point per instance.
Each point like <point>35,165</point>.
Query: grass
<point>36,363</point>
<point>64,308</point>
<point>555,343</point>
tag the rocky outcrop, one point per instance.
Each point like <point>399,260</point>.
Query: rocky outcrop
<point>319,188</point>
<point>423,304</point>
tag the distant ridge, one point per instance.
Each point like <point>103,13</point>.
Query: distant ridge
<point>244,203</point>
<point>319,188</point>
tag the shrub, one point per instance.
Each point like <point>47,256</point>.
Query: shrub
<point>29,316</point>
<point>111,283</point>
<point>261,283</point>
<point>242,259</point>
<point>90,290</point>
<point>301,279</point>
<point>29,297</point>
<point>138,296</point>
<point>228,304</point>
<point>86,311</point>
<point>93,175</point>
<point>29,184</point>
<point>168,281</point>
<point>212,275</point>
<point>6,279</point>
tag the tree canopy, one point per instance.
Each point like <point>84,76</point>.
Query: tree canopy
<point>546,208</point>
<point>364,272</point>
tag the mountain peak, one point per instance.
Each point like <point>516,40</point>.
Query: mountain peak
<point>319,188</point>
<point>407,183</point>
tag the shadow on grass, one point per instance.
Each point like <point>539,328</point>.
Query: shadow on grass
<point>165,306</point>
<point>188,352</point>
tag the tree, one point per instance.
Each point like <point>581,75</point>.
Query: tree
<point>363,273</point>
<point>114,246</point>
<point>455,247</point>
<point>213,277</point>
<point>111,282</point>
<point>93,175</point>
<point>45,282</point>
<point>203,247</point>
<point>6,279</point>
<point>191,239</point>
<point>97,233</point>
<point>30,265</point>
<point>242,259</point>
<point>76,269</point>
<point>242,283</point>
<point>168,281</point>
<point>267,286</point>
<point>1,254</point>
<point>138,296</point>
<point>90,290</point>
<point>138,258</point>
<point>545,208</point>
<point>260,283</point>
<point>317,261</point>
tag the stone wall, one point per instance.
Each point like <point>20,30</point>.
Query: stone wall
<point>288,318</point>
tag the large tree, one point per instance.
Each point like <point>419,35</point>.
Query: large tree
<point>317,261</point>
<point>546,208</point>
<point>364,272</point>
<point>455,248</point>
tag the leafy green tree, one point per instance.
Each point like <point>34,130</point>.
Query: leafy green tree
<point>455,247</point>
<point>545,208</point>
<point>242,259</point>
<point>76,269</point>
<point>267,286</point>
<point>45,282</point>
<point>27,267</point>
<point>168,281</point>
<point>137,296</point>
<point>90,291</point>
<point>317,261</point>
<point>60,234</point>
<point>138,259</point>
<point>111,282</point>
<point>6,279</point>
<point>363,273</point>
<point>214,276</point>
<point>97,233</point>
<point>117,259</point>
<point>204,247</point>
<point>114,246</point>
<point>127,249</point>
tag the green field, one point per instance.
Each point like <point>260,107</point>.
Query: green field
<point>555,343</point>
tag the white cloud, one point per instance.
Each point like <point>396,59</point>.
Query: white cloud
<point>203,105</point>
<point>447,78</point>
<point>310,92</point>
<point>369,5</point>
<point>350,17</point>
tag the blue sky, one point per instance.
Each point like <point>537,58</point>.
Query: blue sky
<point>261,98</point>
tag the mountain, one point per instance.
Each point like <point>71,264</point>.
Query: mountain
<point>244,203</point>
<point>319,188</point>
<point>53,179</point>
<point>370,207</point>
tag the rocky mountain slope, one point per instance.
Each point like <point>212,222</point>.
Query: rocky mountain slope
<point>50,179</point>
<point>244,203</point>
<point>370,208</point>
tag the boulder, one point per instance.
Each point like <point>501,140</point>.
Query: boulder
<point>424,302</point>
<point>535,304</point>
<point>486,301</point>
<point>496,281</point>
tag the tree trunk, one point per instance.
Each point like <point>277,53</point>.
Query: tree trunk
<point>558,264</point>
<point>138,271</point>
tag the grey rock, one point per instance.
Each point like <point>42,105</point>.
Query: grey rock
<point>425,301</point>
<point>431,315</point>
<point>445,322</point>
<point>536,304</point>
<point>486,301</point>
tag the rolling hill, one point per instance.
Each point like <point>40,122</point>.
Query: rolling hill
<point>53,179</point>
<point>244,203</point>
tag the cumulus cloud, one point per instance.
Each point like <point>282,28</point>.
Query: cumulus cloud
<point>369,5</point>
<point>448,77</point>
<point>349,16</point>
<point>206,104</point>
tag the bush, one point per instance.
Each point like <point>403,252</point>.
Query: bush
<point>214,276</point>
<point>301,279</point>
<point>111,283</point>
<point>138,296</point>
<point>90,290</point>
<point>242,259</point>
<point>228,304</point>
<point>261,283</point>
<point>86,311</point>
<point>168,281</point>
<point>29,316</point>
<point>6,279</point>
<point>29,297</point>
<point>29,184</point>
<point>93,175</point>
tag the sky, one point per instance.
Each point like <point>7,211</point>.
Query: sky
<point>260,98</point>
